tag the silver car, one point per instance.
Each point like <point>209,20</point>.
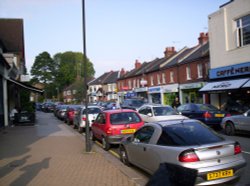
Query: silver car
<point>188,143</point>
<point>158,112</point>
<point>80,117</point>
<point>236,123</point>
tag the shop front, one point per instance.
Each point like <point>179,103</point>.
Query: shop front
<point>229,88</point>
<point>169,93</point>
<point>155,95</point>
<point>142,93</point>
<point>189,93</point>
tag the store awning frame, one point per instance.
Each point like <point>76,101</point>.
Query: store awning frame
<point>28,87</point>
<point>224,85</point>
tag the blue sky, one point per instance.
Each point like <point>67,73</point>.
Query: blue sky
<point>118,31</point>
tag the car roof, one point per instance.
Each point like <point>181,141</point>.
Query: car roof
<point>172,122</point>
<point>118,111</point>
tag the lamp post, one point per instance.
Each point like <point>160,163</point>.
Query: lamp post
<point>87,134</point>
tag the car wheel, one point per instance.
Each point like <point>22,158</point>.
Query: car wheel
<point>80,129</point>
<point>124,156</point>
<point>105,144</point>
<point>229,129</point>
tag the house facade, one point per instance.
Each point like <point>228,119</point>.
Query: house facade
<point>229,29</point>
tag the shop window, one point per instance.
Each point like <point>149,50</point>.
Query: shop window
<point>243,31</point>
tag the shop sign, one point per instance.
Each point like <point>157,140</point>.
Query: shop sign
<point>130,94</point>
<point>154,89</point>
<point>143,89</point>
<point>191,85</point>
<point>170,88</point>
<point>229,71</point>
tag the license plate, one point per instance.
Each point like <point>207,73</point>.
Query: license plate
<point>127,131</point>
<point>220,174</point>
<point>219,115</point>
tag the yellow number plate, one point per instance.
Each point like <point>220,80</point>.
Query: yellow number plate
<point>128,131</point>
<point>219,115</point>
<point>220,174</point>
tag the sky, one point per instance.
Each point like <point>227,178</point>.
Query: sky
<point>117,31</point>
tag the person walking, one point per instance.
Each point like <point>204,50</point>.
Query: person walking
<point>12,116</point>
<point>176,103</point>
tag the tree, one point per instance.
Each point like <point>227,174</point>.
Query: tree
<point>43,69</point>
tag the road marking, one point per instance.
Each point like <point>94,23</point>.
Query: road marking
<point>246,152</point>
<point>111,151</point>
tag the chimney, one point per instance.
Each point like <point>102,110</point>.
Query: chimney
<point>122,72</point>
<point>137,64</point>
<point>169,51</point>
<point>203,38</point>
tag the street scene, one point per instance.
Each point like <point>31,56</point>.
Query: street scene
<point>68,117</point>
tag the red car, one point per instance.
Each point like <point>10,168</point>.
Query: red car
<point>111,126</point>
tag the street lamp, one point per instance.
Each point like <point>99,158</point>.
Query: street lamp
<point>87,133</point>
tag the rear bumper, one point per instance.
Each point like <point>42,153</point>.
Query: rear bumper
<point>238,170</point>
<point>116,139</point>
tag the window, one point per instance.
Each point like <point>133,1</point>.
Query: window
<point>74,91</point>
<point>199,70</point>
<point>129,84</point>
<point>152,80</point>
<point>158,79</point>
<point>134,83</point>
<point>138,83</point>
<point>144,134</point>
<point>163,76</point>
<point>243,31</point>
<point>188,72</point>
<point>171,76</point>
<point>124,118</point>
<point>101,119</point>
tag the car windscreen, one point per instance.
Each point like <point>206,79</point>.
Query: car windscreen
<point>137,103</point>
<point>188,134</point>
<point>92,111</point>
<point>124,118</point>
<point>164,111</point>
<point>207,107</point>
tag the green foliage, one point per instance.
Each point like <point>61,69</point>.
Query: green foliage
<point>26,104</point>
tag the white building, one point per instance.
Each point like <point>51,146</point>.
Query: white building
<point>229,38</point>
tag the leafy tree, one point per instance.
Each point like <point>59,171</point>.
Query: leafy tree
<point>43,69</point>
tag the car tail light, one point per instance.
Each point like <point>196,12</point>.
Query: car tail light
<point>237,148</point>
<point>228,115</point>
<point>84,118</point>
<point>109,130</point>
<point>207,115</point>
<point>188,156</point>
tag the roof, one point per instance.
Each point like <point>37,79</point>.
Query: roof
<point>111,78</point>
<point>12,35</point>
<point>106,78</point>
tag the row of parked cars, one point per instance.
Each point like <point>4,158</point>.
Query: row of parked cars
<point>153,134</point>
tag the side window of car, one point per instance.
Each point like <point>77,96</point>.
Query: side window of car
<point>144,134</point>
<point>142,111</point>
<point>165,140</point>
<point>101,119</point>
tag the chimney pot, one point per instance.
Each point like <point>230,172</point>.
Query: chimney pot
<point>169,51</point>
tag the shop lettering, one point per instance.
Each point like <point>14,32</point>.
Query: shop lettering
<point>222,85</point>
<point>233,71</point>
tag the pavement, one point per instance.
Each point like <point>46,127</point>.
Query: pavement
<point>53,153</point>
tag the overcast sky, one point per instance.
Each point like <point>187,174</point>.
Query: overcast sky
<point>118,31</point>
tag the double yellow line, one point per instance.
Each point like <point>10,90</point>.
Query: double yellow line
<point>111,151</point>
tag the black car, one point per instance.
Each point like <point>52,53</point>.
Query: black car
<point>206,113</point>
<point>132,104</point>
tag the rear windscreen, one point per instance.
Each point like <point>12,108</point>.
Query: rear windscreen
<point>124,118</point>
<point>92,111</point>
<point>188,134</point>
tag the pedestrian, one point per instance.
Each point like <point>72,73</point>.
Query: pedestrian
<point>12,116</point>
<point>176,103</point>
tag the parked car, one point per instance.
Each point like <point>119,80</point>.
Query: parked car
<point>157,112</point>
<point>61,112</point>
<point>188,143</point>
<point>132,104</point>
<point>235,123</point>
<point>70,113</point>
<point>80,117</point>
<point>206,113</point>
<point>111,126</point>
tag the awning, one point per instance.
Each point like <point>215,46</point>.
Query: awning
<point>223,85</point>
<point>28,87</point>
<point>246,85</point>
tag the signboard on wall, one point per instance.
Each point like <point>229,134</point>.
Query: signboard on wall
<point>230,71</point>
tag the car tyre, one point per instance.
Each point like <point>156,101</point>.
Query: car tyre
<point>80,129</point>
<point>105,144</point>
<point>229,129</point>
<point>124,156</point>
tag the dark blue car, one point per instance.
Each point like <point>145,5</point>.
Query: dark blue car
<point>206,113</point>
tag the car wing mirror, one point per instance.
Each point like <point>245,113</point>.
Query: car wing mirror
<point>149,114</point>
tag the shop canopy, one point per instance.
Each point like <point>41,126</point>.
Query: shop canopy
<point>224,85</point>
<point>246,85</point>
<point>25,86</point>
